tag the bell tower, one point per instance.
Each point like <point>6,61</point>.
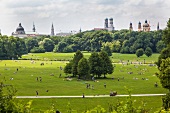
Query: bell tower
<point>139,26</point>
<point>131,27</point>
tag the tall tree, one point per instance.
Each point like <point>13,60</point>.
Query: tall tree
<point>83,69</point>
<point>96,64</point>
<point>107,63</point>
<point>164,66</point>
<point>76,59</point>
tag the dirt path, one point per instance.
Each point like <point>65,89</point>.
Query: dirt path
<point>90,96</point>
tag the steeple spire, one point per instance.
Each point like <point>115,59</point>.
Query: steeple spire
<point>52,30</point>
<point>33,29</point>
<point>80,30</point>
<point>158,27</point>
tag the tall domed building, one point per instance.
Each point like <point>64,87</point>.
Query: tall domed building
<point>20,30</point>
<point>146,26</point>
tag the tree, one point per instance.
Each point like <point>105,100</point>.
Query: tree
<point>116,46</point>
<point>76,59</point>
<point>48,44</point>
<point>166,34</point>
<point>31,43</point>
<point>164,66</point>
<point>8,102</point>
<point>83,69</point>
<point>107,63</point>
<point>139,52</point>
<point>160,46</point>
<point>68,68</point>
<point>68,49</point>
<point>96,64</point>
<point>164,74</point>
<point>107,49</point>
<point>148,52</point>
<point>60,47</point>
<point>11,47</point>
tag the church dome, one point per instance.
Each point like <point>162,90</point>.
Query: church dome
<point>20,29</point>
<point>146,24</point>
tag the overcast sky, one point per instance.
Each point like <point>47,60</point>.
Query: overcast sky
<point>69,15</point>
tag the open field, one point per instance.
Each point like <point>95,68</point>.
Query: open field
<point>141,81</point>
<point>116,57</point>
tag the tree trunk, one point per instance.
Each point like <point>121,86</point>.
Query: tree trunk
<point>104,75</point>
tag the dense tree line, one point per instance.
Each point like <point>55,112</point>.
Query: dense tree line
<point>11,47</point>
<point>123,41</point>
<point>98,64</point>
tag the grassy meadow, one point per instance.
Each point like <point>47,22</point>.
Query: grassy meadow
<point>116,57</point>
<point>141,81</point>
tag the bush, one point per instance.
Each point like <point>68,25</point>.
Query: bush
<point>148,52</point>
<point>139,52</point>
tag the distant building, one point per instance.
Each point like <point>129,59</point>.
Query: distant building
<point>146,26</point>
<point>107,26</point>
<point>139,26</point>
<point>63,34</point>
<point>111,27</point>
<point>33,29</point>
<point>131,27</point>
<point>20,32</point>
<point>98,29</point>
<point>52,30</point>
<point>106,23</point>
<point>158,27</point>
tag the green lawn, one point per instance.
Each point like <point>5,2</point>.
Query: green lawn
<point>25,80</point>
<point>116,57</point>
<point>81,104</point>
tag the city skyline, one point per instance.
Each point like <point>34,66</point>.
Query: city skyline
<point>71,15</point>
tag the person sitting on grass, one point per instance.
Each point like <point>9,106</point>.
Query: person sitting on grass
<point>156,84</point>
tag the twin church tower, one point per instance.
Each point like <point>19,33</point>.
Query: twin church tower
<point>109,26</point>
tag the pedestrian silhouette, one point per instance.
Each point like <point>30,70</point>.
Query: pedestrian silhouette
<point>37,93</point>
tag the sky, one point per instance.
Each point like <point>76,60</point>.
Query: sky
<point>71,15</point>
